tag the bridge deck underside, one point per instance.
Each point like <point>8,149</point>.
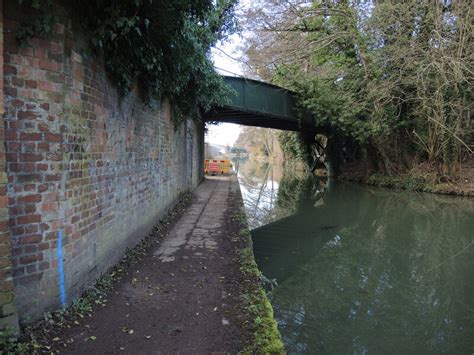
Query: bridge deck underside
<point>248,118</point>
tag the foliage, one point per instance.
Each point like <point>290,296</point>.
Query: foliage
<point>164,46</point>
<point>395,78</point>
<point>10,344</point>
<point>292,145</point>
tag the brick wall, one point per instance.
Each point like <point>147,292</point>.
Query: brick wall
<point>87,170</point>
<point>8,316</point>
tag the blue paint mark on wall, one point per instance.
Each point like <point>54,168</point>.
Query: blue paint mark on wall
<point>62,292</point>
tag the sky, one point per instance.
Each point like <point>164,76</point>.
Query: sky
<point>225,133</point>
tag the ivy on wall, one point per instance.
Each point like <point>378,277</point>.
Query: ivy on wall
<point>163,45</point>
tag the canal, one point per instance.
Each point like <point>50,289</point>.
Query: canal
<point>352,269</point>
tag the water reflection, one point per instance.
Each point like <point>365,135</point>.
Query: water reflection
<point>368,270</point>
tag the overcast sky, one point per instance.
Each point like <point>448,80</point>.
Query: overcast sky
<point>226,133</point>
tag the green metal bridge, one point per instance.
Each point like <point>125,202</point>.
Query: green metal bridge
<point>260,104</point>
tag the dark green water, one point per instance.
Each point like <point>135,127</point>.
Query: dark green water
<point>366,270</point>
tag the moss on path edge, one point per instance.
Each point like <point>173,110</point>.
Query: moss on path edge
<point>259,323</point>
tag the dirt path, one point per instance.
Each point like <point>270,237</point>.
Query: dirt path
<point>179,298</point>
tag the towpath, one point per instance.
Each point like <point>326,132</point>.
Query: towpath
<point>181,298</point>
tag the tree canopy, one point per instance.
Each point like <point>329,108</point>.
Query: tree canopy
<point>388,78</point>
<point>162,45</point>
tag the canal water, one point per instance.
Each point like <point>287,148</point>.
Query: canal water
<point>352,269</point>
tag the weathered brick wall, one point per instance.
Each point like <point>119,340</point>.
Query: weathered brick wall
<point>8,316</point>
<point>86,169</point>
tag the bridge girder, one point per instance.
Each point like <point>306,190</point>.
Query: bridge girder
<point>257,103</point>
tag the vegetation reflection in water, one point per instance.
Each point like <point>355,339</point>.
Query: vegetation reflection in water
<point>362,269</point>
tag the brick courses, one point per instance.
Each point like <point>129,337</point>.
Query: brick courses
<point>80,159</point>
<point>8,314</point>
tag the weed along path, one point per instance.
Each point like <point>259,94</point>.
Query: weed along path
<point>189,292</point>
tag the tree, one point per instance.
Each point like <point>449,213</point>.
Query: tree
<point>164,46</point>
<point>389,80</point>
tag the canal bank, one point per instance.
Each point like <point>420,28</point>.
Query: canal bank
<point>423,178</point>
<point>193,287</point>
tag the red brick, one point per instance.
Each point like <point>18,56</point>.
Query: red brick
<point>14,146</point>
<point>30,239</point>
<point>49,86</point>
<point>41,167</point>
<point>17,82</point>
<point>43,246</point>
<point>53,137</point>
<point>25,178</point>
<point>43,127</point>
<point>26,51</point>
<point>31,84</point>
<point>31,157</point>
<point>10,134</point>
<point>52,196</point>
<point>29,167</point>
<point>28,259</point>
<point>31,229</point>
<point>17,231</point>
<point>15,210</point>
<point>29,188</point>
<point>32,218</point>
<point>17,103</point>
<point>53,177</point>
<point>3,201</point>
<point>29,147</point>
<point>30,269</point>
<point>49,206</point>
<point>29,198</point>
<point>27,115</point>
<point>42,147</point>
<point>48,65</point>
<point>45,106</point>
<point>30,136</point>
<point>14,167</point>
<point>40,53</point>
<point>43,188</point>
<point>11,157</point>
<point>44,265</point>
<point>9,69</point>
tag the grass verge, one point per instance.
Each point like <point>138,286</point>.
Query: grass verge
<point>259,322</point>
